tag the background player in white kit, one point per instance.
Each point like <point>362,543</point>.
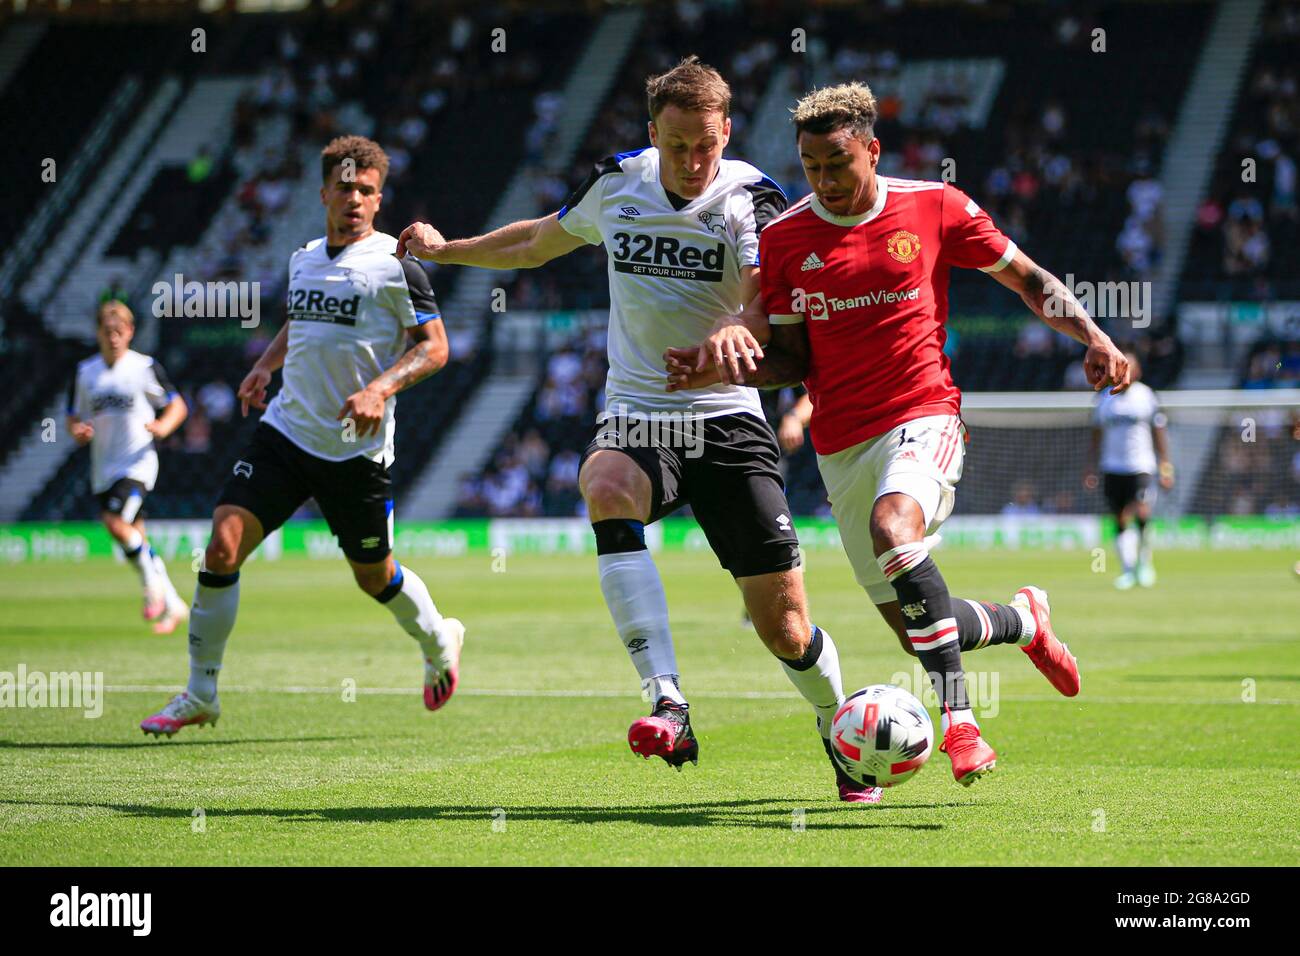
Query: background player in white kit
<point>360,328</point>
<point>1131,443</point>
<point>120,402</point>
<point>681,227</point>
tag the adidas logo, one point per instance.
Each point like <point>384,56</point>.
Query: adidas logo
<point>812,262</point>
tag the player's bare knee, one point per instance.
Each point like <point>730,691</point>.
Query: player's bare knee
<point>221,556</point>
<point>609,497</point>
<point>788,640</point>
<point>889,529</point>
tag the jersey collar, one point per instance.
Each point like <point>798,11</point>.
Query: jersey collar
<point>882,189</point>
<point>662,192</point>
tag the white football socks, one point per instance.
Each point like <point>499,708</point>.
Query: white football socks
<point>957,717</point>
<point>1126,543</point>
<point>418,616</point>
<point>212,618</point>
<point>819,682</point>
<point>140,556</point>
<point>635,597</point>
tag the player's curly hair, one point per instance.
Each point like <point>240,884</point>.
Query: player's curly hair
<point>690,85</point>
<point>849,106</point>
<point>365,153</point>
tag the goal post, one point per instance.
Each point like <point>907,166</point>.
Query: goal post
<point>1236,453</point>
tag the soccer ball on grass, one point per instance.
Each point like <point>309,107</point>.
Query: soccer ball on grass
<point>882,736</point>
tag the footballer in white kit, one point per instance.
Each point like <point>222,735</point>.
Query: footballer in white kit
<point>1131,448</point>
<point>360,327</point>
<point>120,402</point>
<point>680,225</point>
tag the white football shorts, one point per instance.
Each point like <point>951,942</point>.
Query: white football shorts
<point>921,458</point>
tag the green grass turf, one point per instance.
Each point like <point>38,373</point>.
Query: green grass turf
<point>1159,761</point>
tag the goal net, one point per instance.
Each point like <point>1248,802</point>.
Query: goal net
<point>1235,453</point>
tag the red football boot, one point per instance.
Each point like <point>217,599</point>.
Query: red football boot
<point>971,757</point>
<point>1049,655</point>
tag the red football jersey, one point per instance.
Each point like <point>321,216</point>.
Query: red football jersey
<point>873,289</point>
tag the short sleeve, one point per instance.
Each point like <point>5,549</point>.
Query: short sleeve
<point>158,388</point>
<point>580,216</point>
<point>764,202</point>
<point>76,396</point>
<point>1158,417</point>
<point>970,240</point>
<point>420,290</point>
<point>778,295</point>
<point>394,295</point>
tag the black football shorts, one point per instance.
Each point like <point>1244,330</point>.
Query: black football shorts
<point>725,468</point>
<point>273,477</point>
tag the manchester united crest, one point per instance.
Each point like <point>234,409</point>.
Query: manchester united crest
<point>904,246</point>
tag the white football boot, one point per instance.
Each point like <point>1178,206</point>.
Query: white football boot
<point>181,711</point>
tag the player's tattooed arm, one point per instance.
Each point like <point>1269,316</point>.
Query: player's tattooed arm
<point>427,356</point>
<point>784,363</point>
<point>1052,301</point>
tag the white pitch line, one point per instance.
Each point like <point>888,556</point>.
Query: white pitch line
<point>714,695</point>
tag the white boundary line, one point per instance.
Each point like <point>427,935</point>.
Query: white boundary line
<point>707,695</point>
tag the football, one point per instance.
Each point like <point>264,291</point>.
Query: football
<point>882,735</point>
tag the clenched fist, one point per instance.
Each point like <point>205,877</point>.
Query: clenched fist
<point>421,241</point>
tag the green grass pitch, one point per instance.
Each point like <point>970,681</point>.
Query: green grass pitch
<point>1159,761</point>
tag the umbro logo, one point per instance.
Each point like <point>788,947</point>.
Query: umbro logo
<point>783,521</point>
<point>637,644</point>
<point>369,544</point>
<point>812,262</point>
<point>243,468</point>
<point>628,213</point>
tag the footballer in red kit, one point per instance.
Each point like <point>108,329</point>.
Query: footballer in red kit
<point>854,281</point>
<point>873,289</point>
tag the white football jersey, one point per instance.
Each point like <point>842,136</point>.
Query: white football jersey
<point>1125,420</point>
<point>119,400</point>
<point>674,269</point>
<point>348,315</point>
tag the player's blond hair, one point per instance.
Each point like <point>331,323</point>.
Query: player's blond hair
<point>690,85</point>
<point>364,153</point>
<point>849,106</point>
<point>111,308</point>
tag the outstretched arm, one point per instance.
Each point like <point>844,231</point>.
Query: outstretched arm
<point>521,245</point>
<point>1050,300</point>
